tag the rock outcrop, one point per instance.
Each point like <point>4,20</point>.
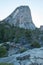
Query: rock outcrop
<point>41,28</point>
<point>34,56</point>
<point>21,17</point>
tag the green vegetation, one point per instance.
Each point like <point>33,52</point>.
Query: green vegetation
<point>3,51</point>
<point>9,33</point>
<point>6,64</point>
<point>22,50</point>
<point>35,44</point>
<point>6,45</point>
<point>28,34</point>
<point>6,32</point>
<point>42,37</point>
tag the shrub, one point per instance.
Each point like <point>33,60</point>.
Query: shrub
<point>3,51</point>
<point>35,44</point>
<point>6,45</point>
<point>28,35</point>
<point>22,50</point>
<point>6,64</point>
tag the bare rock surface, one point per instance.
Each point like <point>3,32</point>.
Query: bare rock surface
<point>28,57</point>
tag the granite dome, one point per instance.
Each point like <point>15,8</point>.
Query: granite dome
<point>21,17</point>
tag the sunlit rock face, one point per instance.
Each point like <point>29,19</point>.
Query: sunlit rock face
<point>21,17</point>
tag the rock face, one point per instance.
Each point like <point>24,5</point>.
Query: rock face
<point>21,17</point>
<point>30,57</point>
<point>41,28</point>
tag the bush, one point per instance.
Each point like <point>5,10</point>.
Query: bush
<point>28,35</point>
<point>22,50</point>
<point>3,51</point>
<point>35,44</point>
<point>6,45</point>
<point>6,64</point>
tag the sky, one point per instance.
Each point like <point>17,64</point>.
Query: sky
<point>36,6</point>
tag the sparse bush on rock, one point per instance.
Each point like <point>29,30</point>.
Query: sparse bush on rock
<point>35,44</point>
<point>6,64</point>
<point>22,50</point>
<point>3,51</point>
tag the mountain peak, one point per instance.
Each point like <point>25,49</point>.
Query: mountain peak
<point>21,17</point>
<point>22,7</point>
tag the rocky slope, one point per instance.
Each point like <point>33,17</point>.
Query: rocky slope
<point>30,57</point>
<point>21,17</point>
<point>21,39</point>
